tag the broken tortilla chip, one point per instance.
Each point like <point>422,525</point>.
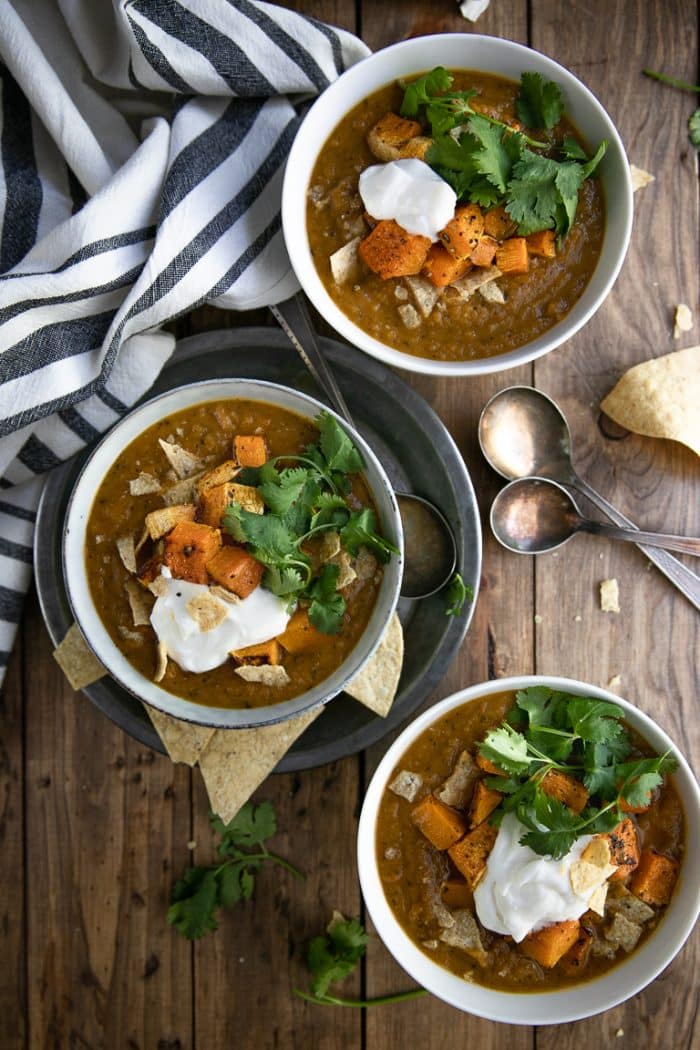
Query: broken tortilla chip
<point>206,611</point>
<point>143,485</point>
<point>376,684</point>
<point>127,552</point>
<point>609,596</point>
<point>467,285</point>
<point>184,491</point>
<point>161,662</point>
<point>640,178</point>
<point>265,674</point>
<point>77,660</point>
<point>682,320</point>
<point>184,463</point>
<point>236,761</point>
<point>183,741</point>
<point>139,602</point>
<point>596,901</point>
<point>161,521</point>
<point>660,398</point>
<point>597,852</point>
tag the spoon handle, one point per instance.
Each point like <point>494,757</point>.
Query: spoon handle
<point>684,544</point>
<point>681,577</point>
<point>293,317</point>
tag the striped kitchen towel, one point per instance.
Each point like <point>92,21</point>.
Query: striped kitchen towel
<point>142,148</point>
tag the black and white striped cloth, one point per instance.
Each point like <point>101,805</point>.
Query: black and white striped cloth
<point>142,148</point>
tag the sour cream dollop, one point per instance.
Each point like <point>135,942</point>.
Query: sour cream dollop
<point>409,192</point>
<point>521,891</point>
<point>255,619</point>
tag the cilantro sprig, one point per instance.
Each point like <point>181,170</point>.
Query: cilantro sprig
<point>302,501</point>
<point>202,891</point>
<point>488,162</point>
<point>681,85</point>
<point>582,737</point>
<point>458,592</point>
<point>333,956</point>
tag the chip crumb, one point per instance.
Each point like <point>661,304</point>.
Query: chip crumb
<point>127,552</point>
<point>578,618</point>
<point>206,611</point>
<point>161,662</point>
<point>615,681</point>
<point>409,315</point>
<point>619,1033</point>
<point>682,320</point>
<point>640,178</point>
<point>266,674</point>
<point>609,596</point>
<point>537,618</point>
<point>192,844</point>
<point>184,463</point>
<point>492,292</point>
<point>143,485</point>
<point>406,784</point>
<point>401,293</point>
<point>473,9</point>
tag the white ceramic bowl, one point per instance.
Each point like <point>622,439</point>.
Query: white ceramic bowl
<point>555,1007</point>
<point>87,615</point>
<point>456,51</point>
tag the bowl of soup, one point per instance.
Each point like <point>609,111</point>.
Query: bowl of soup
<point>233,553</point>
<point>457,204</point>
<point>527,850</point>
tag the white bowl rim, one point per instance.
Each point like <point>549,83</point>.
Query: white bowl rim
<point>87,616</point>
<point>306,144</point>
<point>531,1008</point>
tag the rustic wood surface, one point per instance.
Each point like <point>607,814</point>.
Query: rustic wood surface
<point>94,828</point>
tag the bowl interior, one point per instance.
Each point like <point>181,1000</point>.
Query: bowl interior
<point>589,997</point>
<point>457,51</point>
<point>87,615</point>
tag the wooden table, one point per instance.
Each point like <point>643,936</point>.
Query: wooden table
<point>94,828</point>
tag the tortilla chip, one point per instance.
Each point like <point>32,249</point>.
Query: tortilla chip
<point>77,660</point>
<point>225,471</point>
<point>131,636</point>
<point>596,901</point>
<point>346,573</point>
<point>365,564</point>
<point>376,684</point>
<point>609,596</point>
<point>640,178</point>
<point>143,539</point>
<point>226,596</point>
<point>236,761</point>
<point>184,463</point>
<point>682,321</point>
<point>492,292</point>
<point>206,611</point>
<point>158,587</point>
<point>127,552</point>
<point>139,602</point>
<point>143,485</point>
<point>425,294</point>
<point>471,282</point>
<point>161,521</point>
<point>161,662</point>
<point>345,263</point>
<point>597,853</point>
<point>266,674</point>
<point>183,741</point>
<point>623,933</point>
<point>330,545</point>
<point>660,398</point>
<point>632,908</point>
<point>400,293</point>
<point>584,876</point>
<point>184,491</point>
<point>406,784</point>
<point>248,497</point>
<point>409,315</point>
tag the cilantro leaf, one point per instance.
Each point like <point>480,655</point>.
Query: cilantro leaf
<point>537,701</point>
<point>283,580</point>
<point>590,166</point>
<point>193,903</point>
<point>286,489</point>
<point>458,592</point>
<point>506,748</point>
<point>571,149</point>
<point>540,103</point>
<point>595,720</point>
<point>327,605</point>
<point>339,452</point>
<point>330,510</point>
<point>694,128</point>
<point>638,779</point>
<point>543,193</point>
<point>251,826</point>
<point>496,153</point>
<point>420,92</point>
<point>264,531</point>
<point>361,531</point>
<point>559,821</point>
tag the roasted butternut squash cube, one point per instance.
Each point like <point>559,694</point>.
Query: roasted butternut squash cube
<point>542,244</point>
<point>236,570</point>
<point>463,231</point>
<point>441,268</point>
<point>575,959</point>
<point>512,256</point>
<point>213,503</point>
<point>471,853</point>
<point>455,893</point>
<point>498,223</point>
<point>565,789</point>
<point>655,878</point>
<point>188,549</point>
<point>250,450</point>
<point>389,137</point>
<point>485,252</point>
<point>440,824</point>
<point>488,766</point>
<point>484,801</point>
<point>300,634</point>
<point>264,653</point>
<point>548,945</point>
<point>624,849</point>
<point>390,251</point>
<point>225,471</point>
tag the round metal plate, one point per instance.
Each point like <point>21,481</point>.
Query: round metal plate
<point>419,456</point>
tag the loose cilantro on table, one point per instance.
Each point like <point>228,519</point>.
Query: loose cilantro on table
<point>197,896</point>
<point>458,592</point>
<point>303,501</point>
<point>332,957</point>
<point>682,85</point>
<point>488,162</point>
<point>578,736</point>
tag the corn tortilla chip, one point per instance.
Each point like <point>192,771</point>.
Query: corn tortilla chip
<point>77,660</point>
<point>409,315</point>
<point>345,262</point>
<point>346,573</point>
<point>682,320</point>
<point>140,603</point>
<point>609,596</point>
<point>159,522</point>
<point>184,491</point>
<point>225,471</point>
<point>492,292</point>
<point>183,741</point>
<point>425,294</point>
<point>660,398</point>
<point>640,178</point>
<point>226,596</point>
<point>127,552</point>
<point>236,761</point>
<point>467,285</point>
<point>596,901</point>
<point>266,674</point>
<point>376,684</point>
<point>159,586</point>
<point>206,611</point>
<point>597,852</point>
<point>184,463</point>
<point>161,662</point>
<point>143,485</point>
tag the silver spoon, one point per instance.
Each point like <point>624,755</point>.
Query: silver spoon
<point>523,432</point>
<point>430,547</point>
<point>533,515</point>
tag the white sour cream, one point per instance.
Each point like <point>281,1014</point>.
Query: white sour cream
<point>257,618</point>
<point>521,891</point>
<point>409,192</point>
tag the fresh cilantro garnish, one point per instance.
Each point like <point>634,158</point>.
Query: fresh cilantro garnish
<point>201,891</point>
<point>333,956</point>
<point>458,592</point>
<point>488,162</point>
<point>581,737</point>
<point>306,495</point>
<point>682,85</point>
<point>540,103</point>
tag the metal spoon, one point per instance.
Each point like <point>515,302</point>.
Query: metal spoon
<point>430,547</point>
<point>523,432</point>
<point>532,516</point>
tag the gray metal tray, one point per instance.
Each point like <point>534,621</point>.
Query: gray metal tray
<point>419,456</point>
